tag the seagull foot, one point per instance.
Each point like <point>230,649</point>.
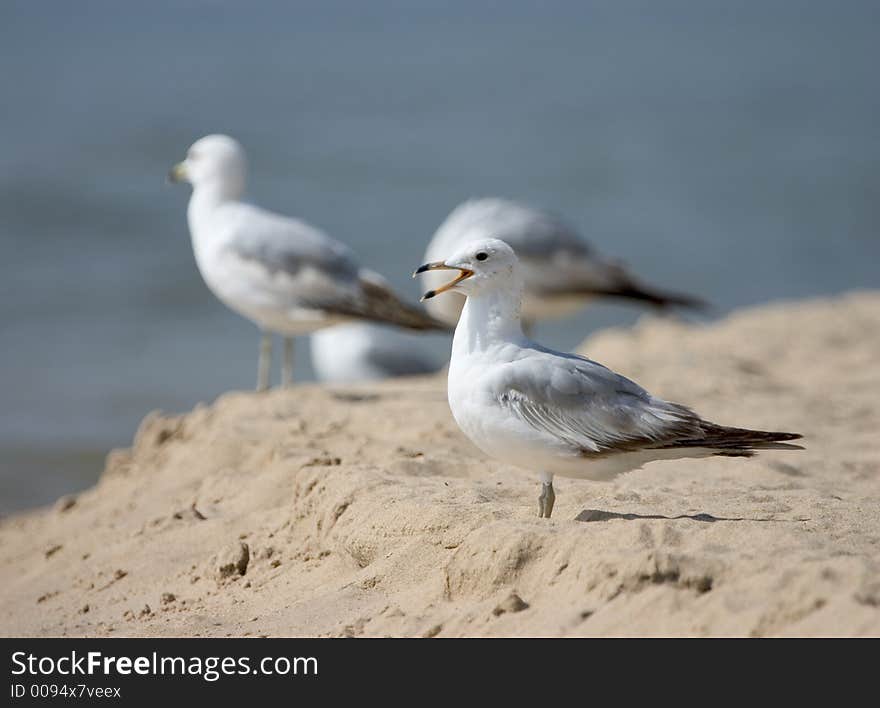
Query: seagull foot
<point>546,500</point>
<point>287,364</point>
<point>265,363</point>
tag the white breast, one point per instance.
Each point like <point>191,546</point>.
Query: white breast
<point>491,426</point>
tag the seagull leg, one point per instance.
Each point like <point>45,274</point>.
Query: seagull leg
<point>547,498</point>
<point>287,363</point>
<point>265,362</point>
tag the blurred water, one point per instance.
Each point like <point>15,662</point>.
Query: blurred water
<point>728,149</point>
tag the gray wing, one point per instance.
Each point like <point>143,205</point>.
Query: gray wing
<point>589,407</point>
<point>289,246</point>
<point>556,260</point>
<point>532,233</point>
<point>595,410</point>
<point>308,269</point>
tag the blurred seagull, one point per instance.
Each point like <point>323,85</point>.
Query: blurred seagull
<point>558,413</point>
<point>359,351</point>
<point>561,270</point>
<point>281,273</point>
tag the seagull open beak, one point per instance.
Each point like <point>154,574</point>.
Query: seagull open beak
<point>177,173</point>
<point>463,273</point>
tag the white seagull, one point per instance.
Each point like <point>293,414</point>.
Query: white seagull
<point>282,274</point>
<point>557,413</point>
<point>360,351</point>
<point>561,271</point>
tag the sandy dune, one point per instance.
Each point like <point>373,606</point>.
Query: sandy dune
<point>365,511</point>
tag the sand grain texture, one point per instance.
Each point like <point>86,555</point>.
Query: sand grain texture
<point>364,512</point>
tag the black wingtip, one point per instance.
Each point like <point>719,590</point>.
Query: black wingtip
<point>780,437</point>
<point>665,300</point>
<point>738,442</point>
<point>689,302</point>
<point>770,440</point>
<point>635,292</point>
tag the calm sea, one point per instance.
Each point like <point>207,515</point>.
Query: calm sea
<point>731,149</point>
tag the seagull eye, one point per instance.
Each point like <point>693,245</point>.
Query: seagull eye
<point>481,256</point>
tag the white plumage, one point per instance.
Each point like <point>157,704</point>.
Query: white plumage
<point>281,273</point>
<point>560,270</point>
<point>552,412</point>
<point>349,353</point>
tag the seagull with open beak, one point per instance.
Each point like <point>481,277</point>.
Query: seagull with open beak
<point>440,265</point>
<point>287,277</point>
<point>558,413</point>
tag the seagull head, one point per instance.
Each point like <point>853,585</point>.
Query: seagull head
<point>483,265</point>
<point>216,161</point>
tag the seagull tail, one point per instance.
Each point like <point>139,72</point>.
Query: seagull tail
<point>632,290</point>
<point>739,442</point>
<point>383,305</point>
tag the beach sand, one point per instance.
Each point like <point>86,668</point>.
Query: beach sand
<point>363,511</point>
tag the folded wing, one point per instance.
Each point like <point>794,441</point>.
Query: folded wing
<point>557,261</point>
<point>596,411</point>
<point>299,266</point>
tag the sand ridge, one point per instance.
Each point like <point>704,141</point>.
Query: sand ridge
<point>363,511</point>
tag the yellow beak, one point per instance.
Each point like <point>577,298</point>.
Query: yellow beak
<point>463,273</point>
<point>177,173</point>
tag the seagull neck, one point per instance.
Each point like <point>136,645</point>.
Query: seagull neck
<point>207,197</point>
<point>488,319</point>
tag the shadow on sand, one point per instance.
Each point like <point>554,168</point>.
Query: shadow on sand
<point>599,515</point>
